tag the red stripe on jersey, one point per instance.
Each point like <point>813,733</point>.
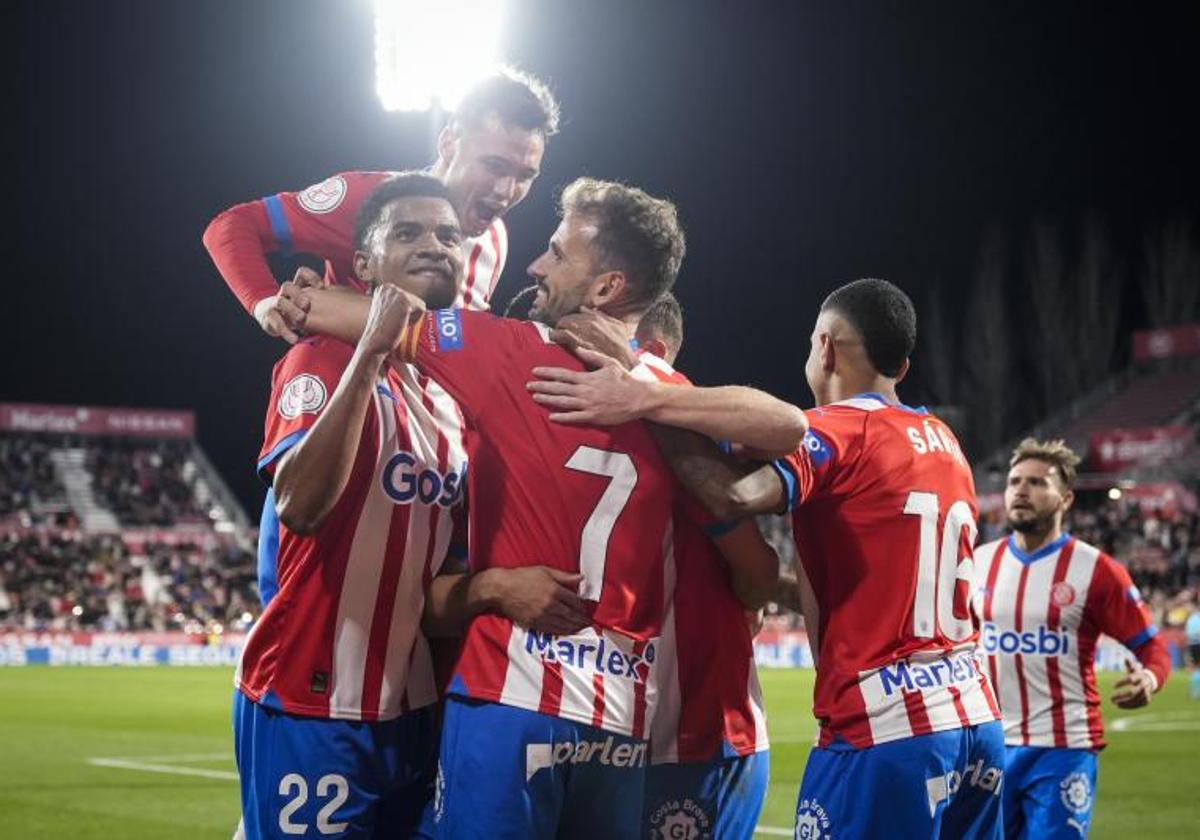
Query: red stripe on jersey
<point>552,684</point>
<point>435,511</point>
<point>959,708</point>
<point>471,265</point>
<point>1018,663</point>
<point>989,692</point>
<point>918,718</point>
<point>1059,721</point>
<point>598,694</point>
<point>385,597</point>
<point>993,573</point>
<point>487,295</point>
<point>639,696</point>
<point>1086,636</point>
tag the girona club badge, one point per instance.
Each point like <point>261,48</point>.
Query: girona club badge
<point>304,394</point>
<point>1062,594</point>
<point>325,196</point>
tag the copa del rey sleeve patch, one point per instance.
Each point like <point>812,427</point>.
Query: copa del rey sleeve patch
<point>325,196</point>
<point>304,394</point>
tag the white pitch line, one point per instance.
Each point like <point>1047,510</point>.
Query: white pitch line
<point>122,764</point>
<point>171,759</point>
<point>1178,721</point>
<point>774,830</point>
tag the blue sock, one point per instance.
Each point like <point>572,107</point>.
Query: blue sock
<point>1195,684</point>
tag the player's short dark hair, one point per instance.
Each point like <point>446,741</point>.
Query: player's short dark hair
<point>402,185</point>
<point>517,97</point>
<point>637,234</point>
<point>883,315</point>
<point>663,320</point>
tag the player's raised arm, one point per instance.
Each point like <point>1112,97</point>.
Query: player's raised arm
<point>609,394</point>
<point>310,478</point>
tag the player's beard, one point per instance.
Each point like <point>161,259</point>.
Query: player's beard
<point>1038,524</point>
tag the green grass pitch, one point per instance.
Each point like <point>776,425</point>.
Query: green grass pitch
<point>56,722</point>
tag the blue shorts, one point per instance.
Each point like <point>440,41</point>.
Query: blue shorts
<point>1048,792</point>
<point>311,777</point>
<point>718,799</point>
<point>506,772</point>
<point>946,784</point>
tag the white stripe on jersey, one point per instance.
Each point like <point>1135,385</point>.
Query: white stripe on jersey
<point>522,686</point>
<point>1008,691</point>
<point>757,709</point>
<point>1033,612</point>
<point>360,587</point>
<point>888,718</point>
<point>1075,710</point>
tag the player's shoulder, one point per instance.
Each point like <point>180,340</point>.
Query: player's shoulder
<point>988,549</point>
<point>661,369</point>
<point>318,353</point>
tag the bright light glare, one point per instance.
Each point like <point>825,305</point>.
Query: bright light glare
<point>428,52</point>
<point>1114,493</point>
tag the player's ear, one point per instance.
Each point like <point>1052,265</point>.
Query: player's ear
<point>828,352</point>
<point>656,346</point>
<point>362,267</point>
<point>1068,497</point>
<point>606,289</point>
<point>903,371</point>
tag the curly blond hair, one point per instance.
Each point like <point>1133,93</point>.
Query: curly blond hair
<point>1056,453</point>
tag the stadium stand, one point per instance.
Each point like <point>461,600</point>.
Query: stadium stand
<point>114,520</point>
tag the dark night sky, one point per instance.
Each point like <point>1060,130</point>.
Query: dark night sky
<point>805,145</point>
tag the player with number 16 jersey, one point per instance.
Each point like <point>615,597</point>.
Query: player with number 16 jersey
<point>876,482</point>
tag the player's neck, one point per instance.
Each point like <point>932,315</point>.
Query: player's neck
<point>844,389</point>
<point>1031,541</point>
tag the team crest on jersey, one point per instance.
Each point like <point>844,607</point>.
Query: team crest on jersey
<point>680,820</point>
<point>325,196</point>
<point>1076,792</point>
<point>305,394</point>
<point>1062,594</point>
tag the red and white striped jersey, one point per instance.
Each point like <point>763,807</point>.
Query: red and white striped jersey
<point>1042,615</point>
<point>884,520</point>
<point>597,500</point>
<point>320,220</point>
<point>341,637</point>
<point>709,699</point>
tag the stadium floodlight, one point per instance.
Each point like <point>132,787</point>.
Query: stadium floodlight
<point>428,52</point>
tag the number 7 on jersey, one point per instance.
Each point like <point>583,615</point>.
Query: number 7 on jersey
<point>593,548</point>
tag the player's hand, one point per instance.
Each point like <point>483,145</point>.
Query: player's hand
<point>1135,689</point>
<point>605,396</point>
<point>392,310</point>
<point>591,329</point>
<point>284,314</point>
<point>542,599</point>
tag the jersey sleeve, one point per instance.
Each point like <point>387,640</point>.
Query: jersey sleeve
<point>301,386</point>
<point>463,350</point>
<point>318,220</point>
<point>825,456</point>
<point>1120,611</point>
